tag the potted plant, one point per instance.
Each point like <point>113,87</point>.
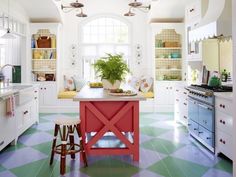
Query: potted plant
<point>112,70</point>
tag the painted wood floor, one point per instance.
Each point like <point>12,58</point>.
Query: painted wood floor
<point>165,150</point>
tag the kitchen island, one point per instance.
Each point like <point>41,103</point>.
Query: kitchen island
<point>102,114</point>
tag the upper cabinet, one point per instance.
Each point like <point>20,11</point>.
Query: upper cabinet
<point>193,13</point>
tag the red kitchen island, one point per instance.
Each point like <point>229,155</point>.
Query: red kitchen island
<point>103,114</point>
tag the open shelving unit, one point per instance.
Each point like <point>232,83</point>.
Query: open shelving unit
<point>44,60</point>
<point>168,59</point>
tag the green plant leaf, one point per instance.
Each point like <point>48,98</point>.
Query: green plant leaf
<point>111,68</point>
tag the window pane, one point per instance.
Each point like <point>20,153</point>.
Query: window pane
<point>103,50</point>
<point>90,51</point>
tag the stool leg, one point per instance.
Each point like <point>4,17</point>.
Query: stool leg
<point>81,144</point>
<point>63,152</point>
<point>56,129</point>
<point>72,141</point>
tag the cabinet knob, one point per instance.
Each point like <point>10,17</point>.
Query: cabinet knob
<point>185,117</point>
<point>177,90</point>
<point>223,122</point>
<point>41,88</point>
<point>223,142</point>
<point>208,138</point>
<point>177,100</point>
<point>223,106</point>
<point>26,112</point>
<point>200,132</point>
<point>35,98</point>
<point>35,91</point>
<point>1,143</point>
<point>195,129</point>
<point>45,88</point>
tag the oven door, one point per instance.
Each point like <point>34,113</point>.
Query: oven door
<point>206,116</point>
<point>193,109</point>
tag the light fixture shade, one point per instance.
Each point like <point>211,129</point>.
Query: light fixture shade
<point>8,35</point>
<point>129,14</point>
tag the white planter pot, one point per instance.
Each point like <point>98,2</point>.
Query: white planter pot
<point>108,85</point>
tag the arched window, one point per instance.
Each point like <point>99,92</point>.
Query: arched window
<point>100,36</point>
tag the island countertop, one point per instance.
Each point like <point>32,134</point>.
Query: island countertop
<point>100,94</point>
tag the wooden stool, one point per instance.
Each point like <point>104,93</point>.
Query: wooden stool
<point>69,125</point>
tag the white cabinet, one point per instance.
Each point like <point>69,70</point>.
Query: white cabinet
<point>47,94</point>
<point>165,96</point>
<point>181,105</point>
<point>193,12</point>
<point>7,126</point>
<point>224,126</point>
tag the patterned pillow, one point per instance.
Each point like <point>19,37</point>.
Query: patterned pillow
<point>69,84</point>
<point>146,84</point>
<point>134,82</point>
<point>79,82</point>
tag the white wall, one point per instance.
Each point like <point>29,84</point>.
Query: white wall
<point>19,14</point>
<point>113,7</point>
<point>234,81</point>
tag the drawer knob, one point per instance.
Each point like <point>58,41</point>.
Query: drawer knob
<point>195,129</point>
<point>208,138</point>
<point>223,122</point>
<point>200,132</point>
<point>1,143</point>
<point>26,112</point>
<point>223,106</point>
<point>35,91</point>
<point>223,142</point>
<point>185,117</point>
<point>177,100</point>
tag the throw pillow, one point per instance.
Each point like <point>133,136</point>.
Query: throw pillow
<point>69,84</point>
<point>79,82</point>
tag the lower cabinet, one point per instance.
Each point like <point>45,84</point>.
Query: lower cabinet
<point>224,127</point>
<point>181,105</point>
<point>7,126</point>
<point>26,115</point>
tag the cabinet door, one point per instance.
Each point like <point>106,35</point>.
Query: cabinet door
<point>48,94</point>
<point>171,95</point>
<point>7,126</point>
<point>162,94</point>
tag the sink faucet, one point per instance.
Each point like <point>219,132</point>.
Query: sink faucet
<point>2,77</point>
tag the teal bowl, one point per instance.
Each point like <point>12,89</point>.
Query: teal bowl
<point>175,55</point>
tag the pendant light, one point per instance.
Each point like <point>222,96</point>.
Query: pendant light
<point>8,34</point>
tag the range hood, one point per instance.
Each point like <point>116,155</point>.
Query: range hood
<point>216,22</point>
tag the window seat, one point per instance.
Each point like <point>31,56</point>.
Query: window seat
<point>66,94</point>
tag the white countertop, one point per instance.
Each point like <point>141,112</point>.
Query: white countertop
<point>8,90</point>
<point>224,95</point>
<point>99,94</point>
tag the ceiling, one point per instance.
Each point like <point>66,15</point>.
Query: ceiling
<point>46,10</point>
<point>168,9</point>
<point>41,10</point>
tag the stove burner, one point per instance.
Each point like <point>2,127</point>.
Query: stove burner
<point>214,89</point>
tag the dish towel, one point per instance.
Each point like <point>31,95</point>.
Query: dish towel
<point>10,106</point>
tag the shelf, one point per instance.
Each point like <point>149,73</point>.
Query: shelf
<point>168,48</point>
<point>44,59</point>
<point>168,70</point>
<point>43,70</point>
<point>169,59</point>
<point>43,48</point>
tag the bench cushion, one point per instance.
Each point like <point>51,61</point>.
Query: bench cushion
<point>147,94</point>
<point>66,94</point>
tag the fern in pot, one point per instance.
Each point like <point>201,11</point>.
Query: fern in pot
<point>112,70</point>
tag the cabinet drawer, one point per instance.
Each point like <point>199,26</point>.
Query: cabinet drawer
<point>224,105</point>
<point>224,122</point>
<point>225,144</point>
<point>206,135</point>
<point>193,127</point>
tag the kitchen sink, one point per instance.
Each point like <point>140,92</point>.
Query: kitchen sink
<point>17,87</point>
